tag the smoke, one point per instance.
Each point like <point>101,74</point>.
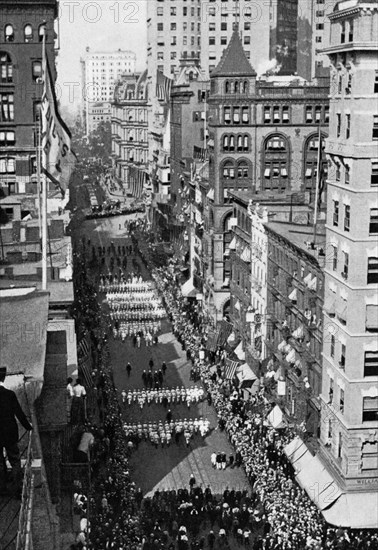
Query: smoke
<point>268,67</point>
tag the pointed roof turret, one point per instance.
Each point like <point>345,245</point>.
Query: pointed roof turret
<point>234,62</point>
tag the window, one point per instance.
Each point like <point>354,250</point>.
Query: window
<point>7,139</point>
<point>160,11</point>
<point>223,40</point>
<point>223,26</point>
<point>309,115</point>
<point>285,115</point>
<point>370,409</point>
<point>173,55</point>
<point>371,318</point>
<point>28,33</point>
<point>374,173</point>
<point>338,172</point>
<point>330,393</point>
<point>173,40</point>
<point>341,401</point>
<point>173,10</point>
<point>276,114</point>
<point>247,26</point>
<point>318,113</point>
<point>372,271</point>
<point>334,258</point>
<point>7,165</point>
<point>41,32</point>
<point>247,40</point>
<point>371,363</point>
<point>342,32</point>
<point>245,143</point>
<point>338,124</point>
<point>373,226</point>
<point>185,11</point>
<point>37,71</point>
<point>345,271</point>
<point>212,40</point>
<point>6,68</point>
<point>336,213</point>
<point>228,170</point>
<point>376,83</point>
<point>351,30</point>
<point>346,217</point>
<point>211,26</point>
<point>245,115</point>
<point>347,175</point>
<point>6,107</point>
<point>342,356</point>
<point>9,33</point>
<point>375,127</point>
<point>347,126</point>
<point>267,116</point>
<point>160,26</point>
<point>236,115</point>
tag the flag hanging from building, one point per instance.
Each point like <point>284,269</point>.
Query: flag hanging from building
<point>163,87</point>
<point>224,332</point>
<point>230,369</point>
<point>58,159</point>
<point>320,180</point>
<point>85,360</point>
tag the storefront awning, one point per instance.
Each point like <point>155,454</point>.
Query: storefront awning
<point>293,295</point>
<point>188,290</point>
<point>233,244</point>
<point>315,479</point>
<point>210,194</point>
<point>240,354</point>
<point>276,418</point>
<point>295,450</point>
<point>354,510</point>
<point>245,375</point>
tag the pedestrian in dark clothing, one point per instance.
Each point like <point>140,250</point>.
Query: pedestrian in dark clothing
<point>160,377</point>
<point>144,378</point>
<point>211,539</point>
<point>134,341</point>
<point>231,461</point>
<point>192,481</point>
<point>169,416</point>
<point>10,410</point>
<point>151,364</point>
<point>164,367</point>
<point>128,369</point>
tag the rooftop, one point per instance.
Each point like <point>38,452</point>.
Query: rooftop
<point>301,236</point>
<point>268,198</point>
<point>61,292</point>
<point>24,332</point>
<point>234,62</point>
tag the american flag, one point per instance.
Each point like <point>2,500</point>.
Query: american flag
<point>224,332</point>
<point>84,347</point>
<point>230,369</point>
<point>85,371</point>
<point>163,87</point>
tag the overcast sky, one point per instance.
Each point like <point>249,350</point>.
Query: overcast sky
<point>104,25</point>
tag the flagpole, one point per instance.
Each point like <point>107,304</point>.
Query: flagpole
<point>38,155</point>
<point>44,190</point>
<point>317,187</point>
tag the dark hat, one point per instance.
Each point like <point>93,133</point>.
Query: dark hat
<point>3,371</point>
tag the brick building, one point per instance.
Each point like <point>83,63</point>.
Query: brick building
<point>22,27</point>
<point>263,139</point>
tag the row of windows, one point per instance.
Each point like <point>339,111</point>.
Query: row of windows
<point>372,264</point>
<point>185,11</point>
<point>344,169</point>
<point>6,69</point>
<point>28,33</point>
<point>273,114</point>
<point>185,27</point>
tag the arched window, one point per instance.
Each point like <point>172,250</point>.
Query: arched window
<point>236,87</point>
<point>227,87</point>
<point>231,145</point>
<point>28,33</point>
<point>240,143</point>
<point>41,32</point>
<point>225,143</point>
<point>276,164</point>
<point>246,143</point>
<point>311,162</point>
<point>245,87</point>
<point>9,33</point>
<point>6,68</point>
<point>37,71</point>
<point>228,171</point>
<point>243,170</point>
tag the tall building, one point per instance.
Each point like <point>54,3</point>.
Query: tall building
<point>21,88</point>
<point>349,417</point>
<point>100,72</point>
<point>130,132</point>
<point>202,30</point>
<point>283,35</point>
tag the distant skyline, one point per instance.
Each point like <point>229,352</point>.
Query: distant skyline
<point>101,26</point>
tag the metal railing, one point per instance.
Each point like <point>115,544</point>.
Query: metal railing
<point>25,514</point>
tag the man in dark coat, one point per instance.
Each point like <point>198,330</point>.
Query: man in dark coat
<point>10,410</point>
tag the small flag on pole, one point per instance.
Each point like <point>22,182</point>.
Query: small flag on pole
<point>224,332</point>
<point>58,159</point>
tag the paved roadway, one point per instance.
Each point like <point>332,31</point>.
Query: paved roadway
<point>169,467</point>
